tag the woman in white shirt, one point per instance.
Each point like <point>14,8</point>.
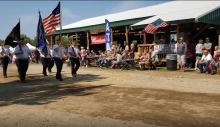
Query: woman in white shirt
<point>22,53</point>
<point>199,52</point>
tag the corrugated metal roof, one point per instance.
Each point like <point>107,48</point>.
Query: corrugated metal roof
<point>174,10</point>
<point>212,17</point>
<point>196,9</point>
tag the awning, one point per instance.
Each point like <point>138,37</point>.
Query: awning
<point>212,17</point>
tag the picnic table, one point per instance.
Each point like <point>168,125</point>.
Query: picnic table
<point>129,63</point>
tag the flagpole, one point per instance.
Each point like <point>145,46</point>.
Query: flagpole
<point>60,22</point>
<point>19,32</point>
<point>20,28</point>
<point>51,40</point>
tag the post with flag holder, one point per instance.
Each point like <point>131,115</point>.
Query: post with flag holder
<point>60,23</point>
<point>152,27</point>
<point>107,35</point>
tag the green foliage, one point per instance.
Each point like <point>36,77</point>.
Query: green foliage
<point>1,41</point>
<point>65,41</point>
<point>28,39</point>
<point>35,40</point>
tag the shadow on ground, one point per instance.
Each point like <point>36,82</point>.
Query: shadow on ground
<point>43,90</point>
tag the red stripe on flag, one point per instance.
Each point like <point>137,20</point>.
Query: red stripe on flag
<point>150,28</point>
<point>50,23</point>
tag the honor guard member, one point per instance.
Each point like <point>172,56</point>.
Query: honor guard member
<point>4,55</point>
<point>74,55</point>
<point>22,53</point>
<point>45,59</point>
<point>59,57</point>
<point>51,61</point>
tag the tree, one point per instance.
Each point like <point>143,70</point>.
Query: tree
<point>28,39</point>
<point>65,41</point>
<point>35,40</point>
<point>1,41</point>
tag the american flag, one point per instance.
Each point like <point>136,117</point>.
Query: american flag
<point>152,27</point>
<point>51,21</point>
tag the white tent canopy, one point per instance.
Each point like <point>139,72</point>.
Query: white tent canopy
<point>31,47</point>
<point>174,10</point>
<point>11,49</point>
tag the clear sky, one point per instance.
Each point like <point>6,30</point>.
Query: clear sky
<point>72,11</point>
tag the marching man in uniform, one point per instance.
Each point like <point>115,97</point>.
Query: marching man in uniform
<point>51,61</point>
<point>74,55</point>
<point>58,56</point>
<point>23,55</point>
<point>45,59</point>
<point>4,55</point>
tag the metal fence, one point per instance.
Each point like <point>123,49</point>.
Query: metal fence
<point>165,48</point>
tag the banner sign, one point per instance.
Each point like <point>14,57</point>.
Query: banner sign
<point>107,34</point>
<point>99,39</point>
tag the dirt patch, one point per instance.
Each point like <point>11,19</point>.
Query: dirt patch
<point>110,98</point>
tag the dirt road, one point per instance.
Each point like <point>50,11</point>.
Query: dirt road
<point>111,98</point>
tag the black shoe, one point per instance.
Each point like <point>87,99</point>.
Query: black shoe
<point>5,76</point>
<point>23,81</point>
<point>74,75</point>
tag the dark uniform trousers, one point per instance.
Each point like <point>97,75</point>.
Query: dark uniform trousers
<point>75,64</point>
<point>5,61</point>
<point>45,62</point>
<point>59,65</point>
<point>51,64</point>
<point>22,65</point>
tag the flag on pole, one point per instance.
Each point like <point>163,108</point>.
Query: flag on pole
<point>107,34</point>
<point>14,36</point>
<point>51,21</point>
<point>41,40</point>
<point>152,27</point>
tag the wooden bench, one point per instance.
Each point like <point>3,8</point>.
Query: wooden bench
<point>144,48</point>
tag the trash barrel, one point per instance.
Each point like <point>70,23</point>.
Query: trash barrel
<point>171,62</point>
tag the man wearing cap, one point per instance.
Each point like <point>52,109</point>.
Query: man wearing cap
<point>58,56</point>
<point>74,55</point>
<point>4,56</point>
<point>181,49</point>
<point>23,54</point>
